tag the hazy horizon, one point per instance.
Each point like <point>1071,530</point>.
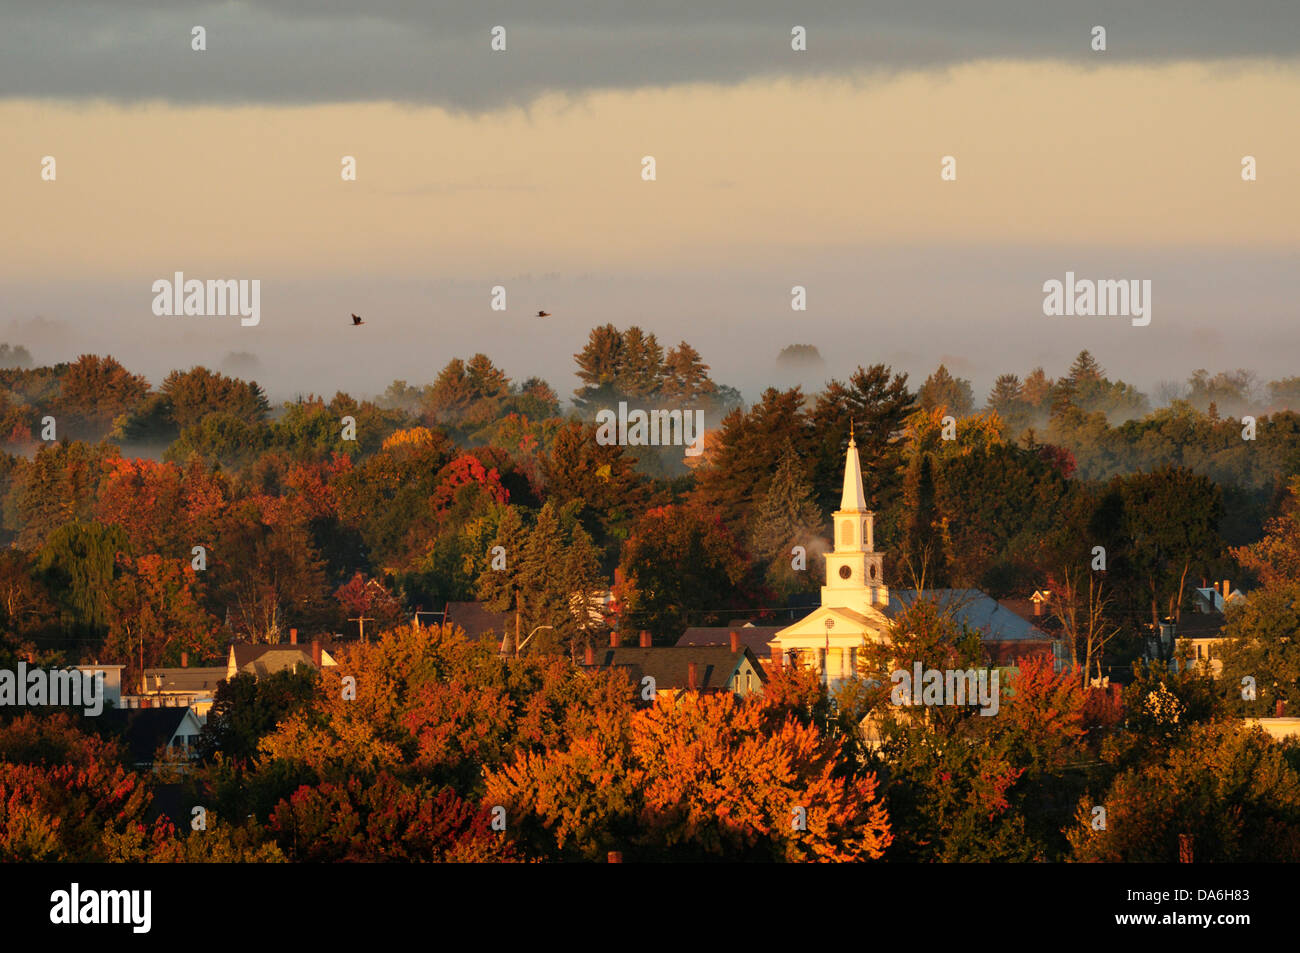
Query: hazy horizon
<point>775,168</point>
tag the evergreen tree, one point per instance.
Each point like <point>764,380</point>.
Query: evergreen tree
<point>600,364</point>
<point>786,517</point>
<point>876,402</point>
<point>642,368</point>
<point>686,376</point>
<point>924,555</point>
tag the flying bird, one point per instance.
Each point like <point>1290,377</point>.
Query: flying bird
<point>356,319</point>
<point>543,314</point>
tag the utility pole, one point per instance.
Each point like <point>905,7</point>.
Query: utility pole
<point>361,622</point>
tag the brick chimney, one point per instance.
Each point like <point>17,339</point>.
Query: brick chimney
<point>613,639</point>
<point>1227,588</point>
<point>646,641</point>
<point>185,660</point>
<point>777,661</point>
<point>315,652</point>
<point>735,641</point>
<point>615,857</point>
<point>1280,710</point>
<point>293,636</point>
<point>691,678</point>
<point>589,655</point>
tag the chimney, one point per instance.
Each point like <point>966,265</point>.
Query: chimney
<point>293,636</point>
<point>1280,711</point>
<point>735,641</point>
<point>613,639</point>
<point>776,656</point>
<point>589,656</point>
<point>691,676</point>
<point>1226,589</point>
<point>315,652</point>
<point>615,857</point>
<point>185,660</point>
<point>646,641</point>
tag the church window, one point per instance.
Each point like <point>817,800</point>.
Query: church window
<point>846,534</point>
<point>845,572</point>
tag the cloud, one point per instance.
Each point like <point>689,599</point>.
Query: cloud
<point>313,51</point>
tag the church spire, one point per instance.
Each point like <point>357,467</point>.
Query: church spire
<point>853,499</point>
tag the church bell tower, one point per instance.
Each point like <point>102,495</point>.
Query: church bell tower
<point>854,570</point>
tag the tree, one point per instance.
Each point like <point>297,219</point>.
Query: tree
<point>686,376</point>
<point>155,614</point>
<point>601,480</point>
<point>642,368</point>
<point>787,517</point>
<point>874,403</point>
<point>600,365</point>
<point>1231,788</point>
<point>383,820</point>
<point>637,785</point>
<point>942,390</point>
<point>79,564</point>
<point>96,390</point>
<point>247,707</point>
<point>1171,516</point>
<point>657,595</point>
<point>749,450</point>
<point>64,794</point>
<point>924,551</point>
<point>1007,400</point>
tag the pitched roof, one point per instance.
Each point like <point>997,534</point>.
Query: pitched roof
<point>753,637</point>
<point>198,679</point>
<point>479,621</point>
<point>669,665</point>
<point>993,621</point>
<point>262,660</point>
<point>145,730</point>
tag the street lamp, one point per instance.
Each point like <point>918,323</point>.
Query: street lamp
<point>520,646</point>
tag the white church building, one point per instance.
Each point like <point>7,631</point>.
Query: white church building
<point>855,597</point>
<point>857,606</point>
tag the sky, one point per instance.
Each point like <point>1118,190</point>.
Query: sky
<point>774,168</point>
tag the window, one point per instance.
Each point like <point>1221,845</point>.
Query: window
<point>846,533</point>
<point>845,572</point>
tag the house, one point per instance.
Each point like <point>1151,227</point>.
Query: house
<point>147,731</point>
<point>756,638</point>
<point>676,668</point>
<point>1195,635</point>
<point>262,660</point>
<point>185,687</point>
<point>112,681</point>
<point>857,608</point>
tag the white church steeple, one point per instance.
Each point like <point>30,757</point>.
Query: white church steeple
<point>853,500</point>
<point>854,570</point>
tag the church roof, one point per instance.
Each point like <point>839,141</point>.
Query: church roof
<point>994,622</point>
<point>853,500</point>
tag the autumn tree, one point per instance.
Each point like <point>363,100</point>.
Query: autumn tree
<point>657,595</point>
<point>942,391</point>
